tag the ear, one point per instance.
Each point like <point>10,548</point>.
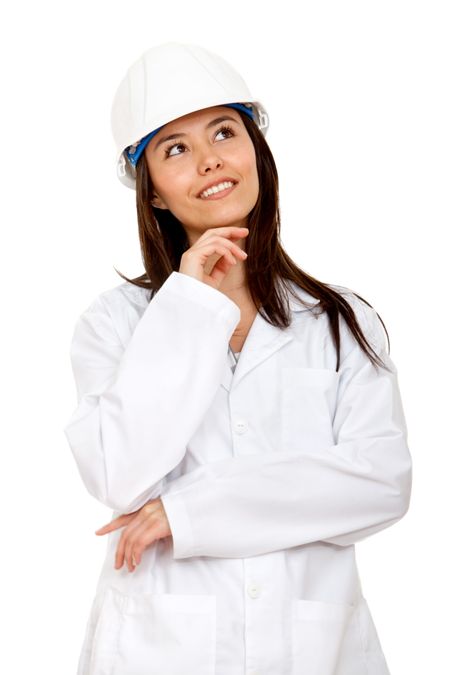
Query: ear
<point>157,202</point>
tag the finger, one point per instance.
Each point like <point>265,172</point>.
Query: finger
<point>214,244</point>
<point>216,239</point>
<point>235,251</point>
<point>126,534</point>
<point>118,558</point>
<point>105,529</point>
<point>142,536</point>
<point>120,521</point>
<point>231,231</point>
<point>128,555</point>
<point>219,248</point>
<point>219,271</point>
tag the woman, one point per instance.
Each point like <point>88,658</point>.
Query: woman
<point>239,491</point>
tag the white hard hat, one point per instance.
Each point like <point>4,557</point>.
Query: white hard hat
<point>167,82</point>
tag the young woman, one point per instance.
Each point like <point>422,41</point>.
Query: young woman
<point>241,418</point>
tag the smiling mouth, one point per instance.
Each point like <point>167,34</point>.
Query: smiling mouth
<point>219,194</point>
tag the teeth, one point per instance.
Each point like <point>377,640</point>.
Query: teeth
<point>217,188</point>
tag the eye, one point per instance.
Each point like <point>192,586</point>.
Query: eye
<point>225,128</point>
<point>174,145</point>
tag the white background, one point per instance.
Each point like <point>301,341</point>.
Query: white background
<point>358,98</point>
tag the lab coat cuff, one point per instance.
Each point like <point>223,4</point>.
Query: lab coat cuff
<point>211,298</point>
<point>180,525</point>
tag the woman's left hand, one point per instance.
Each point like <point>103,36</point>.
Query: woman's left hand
<point>143,527</point>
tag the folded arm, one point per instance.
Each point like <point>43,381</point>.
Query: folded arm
<point>342,493</point>
<point>139,405</point>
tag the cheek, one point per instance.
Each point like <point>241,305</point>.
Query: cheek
<point>252,176</point>
<point>250,166</point>
<point>173,186</point>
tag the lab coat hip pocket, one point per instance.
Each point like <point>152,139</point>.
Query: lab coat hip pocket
<point>149,633</point>
<point>318,632</point>
<point>309,397</point>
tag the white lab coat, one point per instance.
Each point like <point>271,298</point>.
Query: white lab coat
<point>268,477</point>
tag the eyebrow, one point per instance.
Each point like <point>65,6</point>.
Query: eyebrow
<point>210,124</point>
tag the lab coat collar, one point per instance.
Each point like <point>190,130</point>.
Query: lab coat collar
<point>264,339</point>
<point>305,302</point>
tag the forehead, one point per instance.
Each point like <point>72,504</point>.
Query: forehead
<point>199,116</point>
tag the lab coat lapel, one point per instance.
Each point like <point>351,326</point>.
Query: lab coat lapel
<point>263,340</point>
<point>227,376</point>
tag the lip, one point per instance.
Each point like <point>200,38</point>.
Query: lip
<point>219,195</point>
<point>225,179</point>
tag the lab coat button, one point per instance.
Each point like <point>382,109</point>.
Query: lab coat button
<point>254,590</point>
<point>240,426</point>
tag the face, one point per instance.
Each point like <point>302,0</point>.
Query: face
<point>201,151</point>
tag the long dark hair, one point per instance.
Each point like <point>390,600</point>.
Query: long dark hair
<point>163,241</point>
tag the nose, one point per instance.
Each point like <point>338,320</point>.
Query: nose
<point>211,165</point>
<point>209,160</point>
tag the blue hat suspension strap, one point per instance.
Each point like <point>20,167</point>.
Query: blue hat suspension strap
<point>246,108</point>
<point>133,152</point>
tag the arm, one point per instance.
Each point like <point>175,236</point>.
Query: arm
<point>138,406</point>
<point>252,505</point>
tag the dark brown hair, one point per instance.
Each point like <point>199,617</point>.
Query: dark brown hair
<point>163,241</point>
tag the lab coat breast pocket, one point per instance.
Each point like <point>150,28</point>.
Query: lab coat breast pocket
<point>146,633</point>
<point>308,403</point>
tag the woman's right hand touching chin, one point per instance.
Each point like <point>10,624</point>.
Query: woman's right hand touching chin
<point>218,242</point>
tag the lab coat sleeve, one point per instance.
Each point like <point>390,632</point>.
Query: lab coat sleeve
<point>139,405</point>
<point>246,506</point>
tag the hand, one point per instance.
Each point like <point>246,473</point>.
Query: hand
<point>142,528</point>
<point>214,242</point>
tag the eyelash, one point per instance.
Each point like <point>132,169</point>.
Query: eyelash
<point>225,127</point>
